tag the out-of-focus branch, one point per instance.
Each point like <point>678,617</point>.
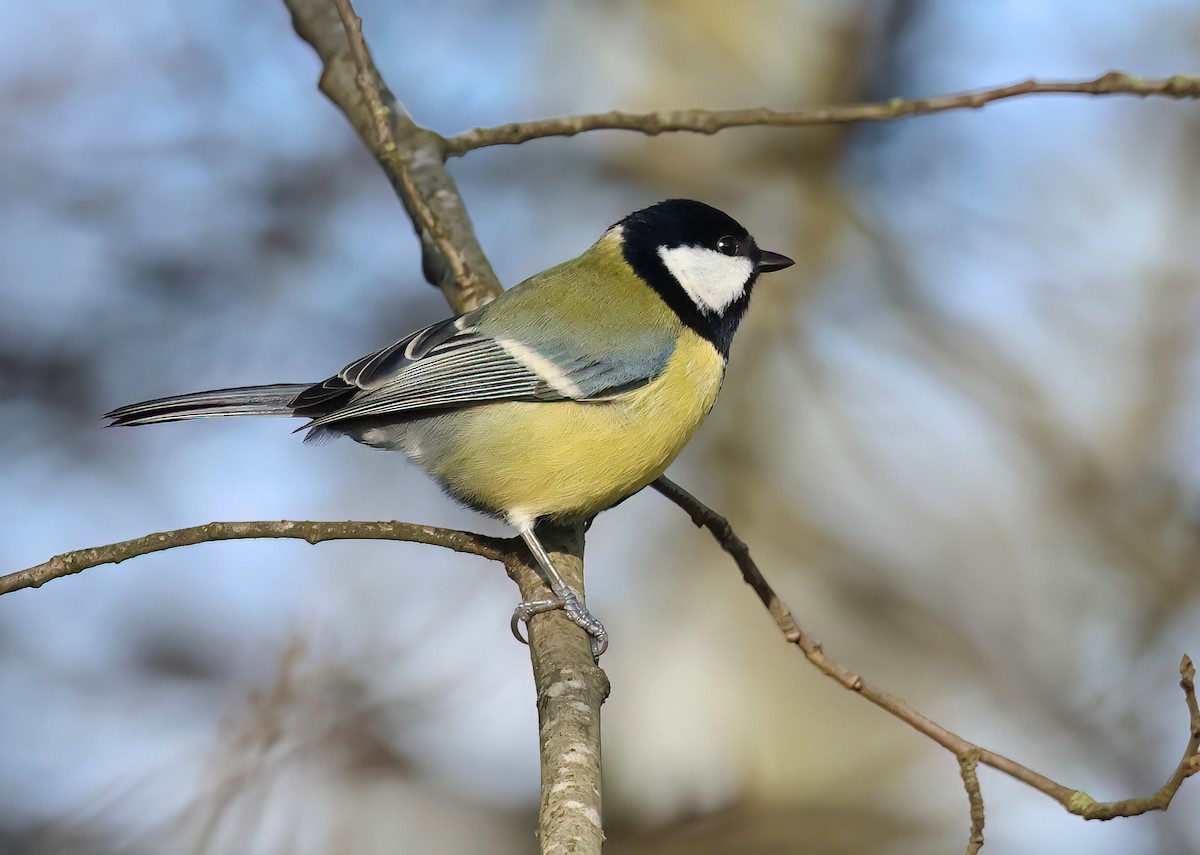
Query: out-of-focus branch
<point>1075,801</point>
<point>967,767</point>
<point>711,121</point>
<point>570,687</point>
<point>411,156</point>
<point>69,563</point>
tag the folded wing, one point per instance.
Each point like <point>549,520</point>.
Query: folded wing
<point>453,364</point>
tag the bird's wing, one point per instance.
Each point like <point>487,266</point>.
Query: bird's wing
<point>453,364</point>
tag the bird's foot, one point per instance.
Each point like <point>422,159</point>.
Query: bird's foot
<point>571,603</point>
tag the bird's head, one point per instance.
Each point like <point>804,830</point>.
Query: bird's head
<point>700,260</point>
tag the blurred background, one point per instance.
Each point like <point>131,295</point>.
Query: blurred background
<point>960,435</point>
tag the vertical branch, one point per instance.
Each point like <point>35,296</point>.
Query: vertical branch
<point>968,766</point>
<point>570,687</point>
<point>570,690</point>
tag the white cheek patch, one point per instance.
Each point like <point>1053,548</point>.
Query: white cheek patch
<point>713,280</point>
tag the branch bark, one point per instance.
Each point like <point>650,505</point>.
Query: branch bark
<point>1075,801</point>
<point>967,767</point>
<point>570,688</point>
<point>711,121</point>
<point>69,563</point>
<point>412,157</point>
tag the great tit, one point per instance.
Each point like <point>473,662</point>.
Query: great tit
<point>557,400</point>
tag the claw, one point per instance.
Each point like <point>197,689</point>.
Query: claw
<point>577,612</point>
<point>565,597</point>
<point>571,603</point>
<point>524,611</point>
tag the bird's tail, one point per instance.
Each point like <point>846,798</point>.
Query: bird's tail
<point>245,401</point>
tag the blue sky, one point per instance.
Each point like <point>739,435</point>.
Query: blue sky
<point>180,209</point>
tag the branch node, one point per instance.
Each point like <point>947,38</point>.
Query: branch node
<point>1080,803</point>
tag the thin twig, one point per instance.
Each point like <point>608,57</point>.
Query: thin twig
<point>711,121</point>
<point>69,563</point>
<point>1075,801</point>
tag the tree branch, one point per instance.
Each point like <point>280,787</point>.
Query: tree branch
<point>69,563</point>
<point>967,767</point>
<point>1075,801</point>
<point>570,688</point>
<point>711,121</point>
<point>411,156</point>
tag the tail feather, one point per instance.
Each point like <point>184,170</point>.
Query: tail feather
<point>244,401</point>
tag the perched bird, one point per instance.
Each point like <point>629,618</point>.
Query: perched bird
<point>563,396</point>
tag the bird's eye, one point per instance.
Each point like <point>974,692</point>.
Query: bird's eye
<point>727,245</point>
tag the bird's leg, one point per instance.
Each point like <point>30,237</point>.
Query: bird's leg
<point>565,597</point>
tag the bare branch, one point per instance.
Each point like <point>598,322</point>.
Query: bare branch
<point>1075,801</point>
<point>411,156</point>
<point>570,691</point>
<point>369,82</point>
<point>69,563</point>
<point>711,121</point>
<point>570,688</point>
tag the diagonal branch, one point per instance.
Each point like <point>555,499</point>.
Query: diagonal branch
<point>69,563</point>
<point>711,121</point>
<point>411,156</point>
<point>1075,801</point>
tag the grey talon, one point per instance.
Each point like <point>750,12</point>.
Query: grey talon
<point>525,610</point>
<point>565,597</point>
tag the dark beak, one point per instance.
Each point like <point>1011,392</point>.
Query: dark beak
<point>770,261</point>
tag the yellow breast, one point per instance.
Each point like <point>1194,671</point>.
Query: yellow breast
<point>568,459</point>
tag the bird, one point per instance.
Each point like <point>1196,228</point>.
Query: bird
<point>568,393</point>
